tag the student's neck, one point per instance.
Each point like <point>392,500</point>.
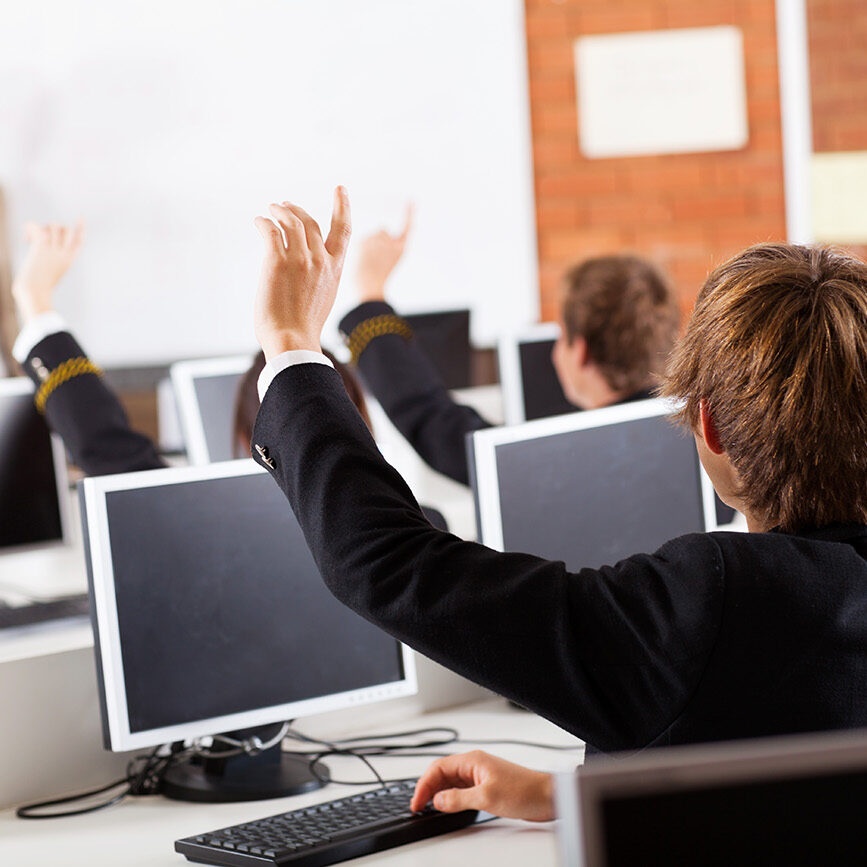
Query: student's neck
<point>755,524</point>
<point>597,393</point>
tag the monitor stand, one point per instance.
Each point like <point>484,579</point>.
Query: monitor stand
<point>268,774</point>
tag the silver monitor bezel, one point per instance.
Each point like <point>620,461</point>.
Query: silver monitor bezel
<point>101,576</point>
<point>509,362</point>
<point>485,443</point>
<point>183,376</point>
<point>20,385</point>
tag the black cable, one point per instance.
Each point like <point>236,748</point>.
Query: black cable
<point>145,780</point>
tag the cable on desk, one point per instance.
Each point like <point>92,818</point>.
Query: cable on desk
<point>145,773</point>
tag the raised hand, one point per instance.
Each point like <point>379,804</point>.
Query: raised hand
<point>380,253</point>
<point>300,275</point>
<point>52,250</point>
<point>479,781</point>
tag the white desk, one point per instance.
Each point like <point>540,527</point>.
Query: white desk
<point>141,831</point>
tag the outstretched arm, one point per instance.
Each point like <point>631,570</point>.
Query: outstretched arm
<point>70,390</point>
<point>610,654</point>
<point>396,369</point>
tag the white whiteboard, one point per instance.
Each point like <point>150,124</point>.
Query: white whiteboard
<point>169,125</point>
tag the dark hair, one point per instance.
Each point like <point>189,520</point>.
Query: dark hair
<point>624,309</point>
<point>777,349</point>
<point>247,400</point>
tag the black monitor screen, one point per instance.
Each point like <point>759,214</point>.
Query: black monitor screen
<point>811,820</point>
<point>29,506</point>
<point>592,497</point>
<point>445,338</point>
<point>216,398</point>
<point>543,395</point>
<point>221,608</point>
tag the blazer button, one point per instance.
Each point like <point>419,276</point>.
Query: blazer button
<point>263,453</point>
<point>40,368</point>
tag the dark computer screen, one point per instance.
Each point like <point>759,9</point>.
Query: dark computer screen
<point>543,395</point>
<point>591,497</point>
<point>445,338</point>
<point>29,505</point>
<point>221,608</point>
<point>811,820</point>
<point>216,399</point>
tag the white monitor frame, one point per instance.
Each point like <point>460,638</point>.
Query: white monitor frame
<point>106,620</point>
<point>183,375</point>
<point>485,444</point>
<point>509,360</point>
<point>21,385</point>
<point>580,795</point>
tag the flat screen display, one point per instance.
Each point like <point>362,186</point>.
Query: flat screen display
<point>543,395</point>
<point>29,505</point>
<point>592,496</point>
<point>445,338</point>
<point>221,608</point>
<point>215,395</point>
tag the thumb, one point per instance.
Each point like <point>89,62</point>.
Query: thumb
<point>455,800</point>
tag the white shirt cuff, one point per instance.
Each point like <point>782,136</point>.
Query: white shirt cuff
<point>286,359</point>
<point>37,329</point>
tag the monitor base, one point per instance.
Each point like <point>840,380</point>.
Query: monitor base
<point>270,774</point>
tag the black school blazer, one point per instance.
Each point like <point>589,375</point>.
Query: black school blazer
<point>713,636</point>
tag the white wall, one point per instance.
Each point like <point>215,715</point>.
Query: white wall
<point>169,125</point>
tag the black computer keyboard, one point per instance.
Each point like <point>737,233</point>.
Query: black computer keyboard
<point>40,612</point>
<point>325,833</point>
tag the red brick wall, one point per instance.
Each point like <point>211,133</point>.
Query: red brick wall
<point>838,78</point>
<point>685,212</point>
<point>838,74</point>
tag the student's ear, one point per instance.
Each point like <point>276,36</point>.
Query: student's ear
<point>578,351</point>
<point>709,432</point>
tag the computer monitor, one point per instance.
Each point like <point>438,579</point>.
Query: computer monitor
<point>444,335</point>
<point>205,393</point>
<point>531,388</point>
<point>210,616</point>
<point>34,489</point>
<point>788,800</point>
<point>589,488</point>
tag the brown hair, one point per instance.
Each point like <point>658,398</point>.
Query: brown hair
<point>777,348</point>
<point>247,400</point>
<point>624,309</point>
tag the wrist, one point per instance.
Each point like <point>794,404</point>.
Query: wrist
<point>277,343</point>
<point>545,798</point>
<point>371,290</point>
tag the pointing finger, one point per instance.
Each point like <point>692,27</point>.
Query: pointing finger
<point>407,224</point>
<point>341,226</point>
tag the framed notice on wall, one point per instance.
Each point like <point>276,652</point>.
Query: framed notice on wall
<point>661,92</point>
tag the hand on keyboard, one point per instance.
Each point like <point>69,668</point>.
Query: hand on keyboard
<point>326,833</point>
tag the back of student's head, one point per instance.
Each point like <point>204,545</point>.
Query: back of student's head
<point>623,307</point>
<point>777,348</point>
<point>247,400</point>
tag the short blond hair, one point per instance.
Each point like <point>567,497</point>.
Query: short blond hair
<point>777,348</point>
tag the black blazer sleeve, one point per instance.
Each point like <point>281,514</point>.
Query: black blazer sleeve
<point>612,655</point>
<point>85,412</point>
<point>403,379</point>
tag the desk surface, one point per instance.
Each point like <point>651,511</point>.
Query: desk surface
<point>141,831</point>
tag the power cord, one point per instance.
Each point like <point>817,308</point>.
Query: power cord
<point>144,774</point>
